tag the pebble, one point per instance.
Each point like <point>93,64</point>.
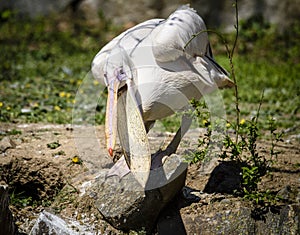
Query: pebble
<point>225,201</point>
<point>6,143</point>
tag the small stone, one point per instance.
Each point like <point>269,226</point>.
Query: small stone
<point>285,193</point>
<point>191,195</point>
<point>6,143</point>
<point>225,201</point>
<point>48,223</point>
<point>26,110</point>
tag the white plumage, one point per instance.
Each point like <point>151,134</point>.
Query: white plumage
<point>161,69</point>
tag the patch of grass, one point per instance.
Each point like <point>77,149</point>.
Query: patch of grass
<point>20,200</point>
<point>11,132</point>
<point>68,195</point>
<point>41,69</point>
<point>53,145</point>
<point>279,82</point>
<point>265,60</point>
<point>59,153</point>
<point>268,61</point>
<point>241,146</point>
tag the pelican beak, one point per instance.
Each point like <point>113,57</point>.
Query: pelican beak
<point>111,115</point>
<point>118,64</point>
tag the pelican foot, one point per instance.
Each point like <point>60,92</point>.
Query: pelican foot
<point>119,169</point>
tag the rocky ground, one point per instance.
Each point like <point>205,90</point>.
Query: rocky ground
<point>50,167</point>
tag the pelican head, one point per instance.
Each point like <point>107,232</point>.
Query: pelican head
<point>118,72</point>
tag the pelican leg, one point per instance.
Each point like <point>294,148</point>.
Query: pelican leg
<point>157,158</point>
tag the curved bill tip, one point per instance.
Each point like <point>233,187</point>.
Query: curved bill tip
<point>111,115</point>
<point>110,151</point>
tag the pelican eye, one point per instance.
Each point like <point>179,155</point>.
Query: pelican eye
<point>121,71</point>
<point>121,75</point>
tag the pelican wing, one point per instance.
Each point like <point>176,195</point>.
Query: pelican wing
<point>175,45</point>
<point>130,40</point>
<point>172,38</point>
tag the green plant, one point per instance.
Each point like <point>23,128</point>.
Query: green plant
<point>19,200</point>
<point>10,132</point>
<point>241,146</point>
<point>53,145</point>
<point>61,152</point>
<point>67,195</point>
<point>265,198</point>
<point>201,113</point>
<point>275,138</point>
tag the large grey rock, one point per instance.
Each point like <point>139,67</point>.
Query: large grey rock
<point>128,206</point>
<point>7,225</point>
<point>284,220</point>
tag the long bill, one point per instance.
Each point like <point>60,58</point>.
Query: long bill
<point>111,116</point>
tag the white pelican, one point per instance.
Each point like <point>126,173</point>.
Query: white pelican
<point>162,69</point>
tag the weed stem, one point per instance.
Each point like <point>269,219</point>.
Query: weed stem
<point>230,55</point>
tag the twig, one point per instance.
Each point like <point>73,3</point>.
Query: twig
<point>75,189</point>
<point>259,106</point>
<point>236,92</point>
<point>230,56</point>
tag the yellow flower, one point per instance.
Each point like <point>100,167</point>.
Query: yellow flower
<point>76,160</point>
<point>62,94</point>
<point>1,104</point>
<point>73,101</point>
<point>79,82</point>
<point>204,121</point>
<point>57,108</point>
<point>68,95</point>
<point>35,104</point>
<point>228,125</point>
<point>8,108</point>
<point>243,121</point>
